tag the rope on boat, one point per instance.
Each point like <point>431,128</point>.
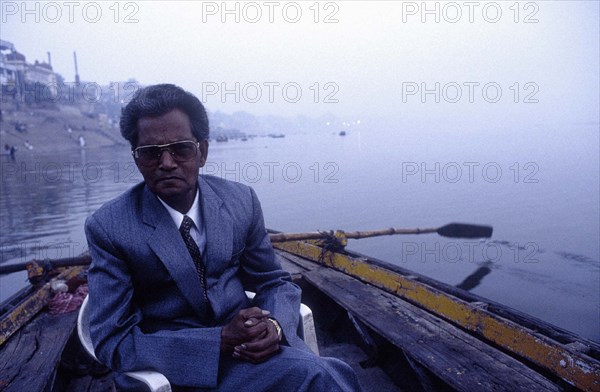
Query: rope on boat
<point>329,243</point>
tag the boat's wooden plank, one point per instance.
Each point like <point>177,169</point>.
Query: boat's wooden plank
<point>23,312</point>
<point>552,331</point>
<point>28,360</point>
<point>91,384</point>
<point>294,264</point>
<point>372,378</point>
<point>13,301</point>
<point>563,336</point>
<point>80,384</point>
<point>294,269</point>
<point>459,359</point>
<point>570,364</point>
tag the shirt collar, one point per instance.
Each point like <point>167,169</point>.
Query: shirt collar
<point>193,212</point>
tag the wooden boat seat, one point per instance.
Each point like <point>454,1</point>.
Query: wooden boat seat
<point>156,381</point>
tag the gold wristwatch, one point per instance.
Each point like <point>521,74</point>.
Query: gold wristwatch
<point>277,327</point>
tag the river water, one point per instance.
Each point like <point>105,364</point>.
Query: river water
<point>538,188</point>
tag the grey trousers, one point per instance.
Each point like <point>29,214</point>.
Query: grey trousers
<point>289,370</point>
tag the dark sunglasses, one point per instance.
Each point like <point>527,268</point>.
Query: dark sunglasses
<point>180,151</point>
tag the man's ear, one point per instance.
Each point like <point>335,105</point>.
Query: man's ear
<point>203,152</point>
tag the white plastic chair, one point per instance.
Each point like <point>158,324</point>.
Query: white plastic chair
<point>157,382</point>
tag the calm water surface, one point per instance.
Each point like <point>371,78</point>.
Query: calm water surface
<point>539,188</point>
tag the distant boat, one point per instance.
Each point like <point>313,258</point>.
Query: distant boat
<point>276,136</point>
<point>343,133</point>
<point>222,138</point>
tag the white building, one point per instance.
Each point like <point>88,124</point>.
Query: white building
<point>40,73</point>
<point>12,65</point>
<point>16,73</point>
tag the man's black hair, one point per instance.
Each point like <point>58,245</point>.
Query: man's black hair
<point>160,99</point>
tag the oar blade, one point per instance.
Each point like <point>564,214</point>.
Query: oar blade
<point>463,230</point>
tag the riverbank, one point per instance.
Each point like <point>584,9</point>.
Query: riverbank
<point>54,128</point>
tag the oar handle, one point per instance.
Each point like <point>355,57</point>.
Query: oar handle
<point>319,235</point>
<point>390,231</point>
<point>312,235</point>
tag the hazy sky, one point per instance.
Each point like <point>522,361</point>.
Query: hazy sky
<point>492,60</point>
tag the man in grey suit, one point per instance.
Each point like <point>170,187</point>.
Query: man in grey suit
<point>172,257</point>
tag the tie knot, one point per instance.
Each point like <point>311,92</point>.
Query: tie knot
<point>187,224</point>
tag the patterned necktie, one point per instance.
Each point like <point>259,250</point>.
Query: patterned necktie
<point>186,225</point>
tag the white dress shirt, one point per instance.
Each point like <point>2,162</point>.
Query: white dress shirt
<point>197,231</point>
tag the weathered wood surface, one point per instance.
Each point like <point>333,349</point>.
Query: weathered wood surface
<point>334,339</point>
<point>560,335</point>
<point>459,359</point>
<point>91,384</point>
<point>567,361</point>
<point>295,265</point>
<point>23,312</point>
<point>29,359</point>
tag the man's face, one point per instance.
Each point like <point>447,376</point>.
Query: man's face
<point>174,182</point>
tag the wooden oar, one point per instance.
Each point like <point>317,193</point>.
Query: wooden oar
<point>452,230</point>
<point>66,262</point>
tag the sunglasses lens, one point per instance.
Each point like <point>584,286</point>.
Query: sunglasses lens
<point>183,151</point>
<point>147,155</point>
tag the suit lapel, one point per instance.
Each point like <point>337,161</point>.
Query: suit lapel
<point>219,229</point>
<point>167,244</point>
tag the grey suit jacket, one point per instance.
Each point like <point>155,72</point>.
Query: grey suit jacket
<point>145,299</point>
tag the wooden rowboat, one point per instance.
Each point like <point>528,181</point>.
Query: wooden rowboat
<point>399,331</point>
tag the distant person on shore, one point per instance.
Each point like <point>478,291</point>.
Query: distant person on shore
<point>12,151</point>
<point>20,127</point>
<point>171,259</point>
